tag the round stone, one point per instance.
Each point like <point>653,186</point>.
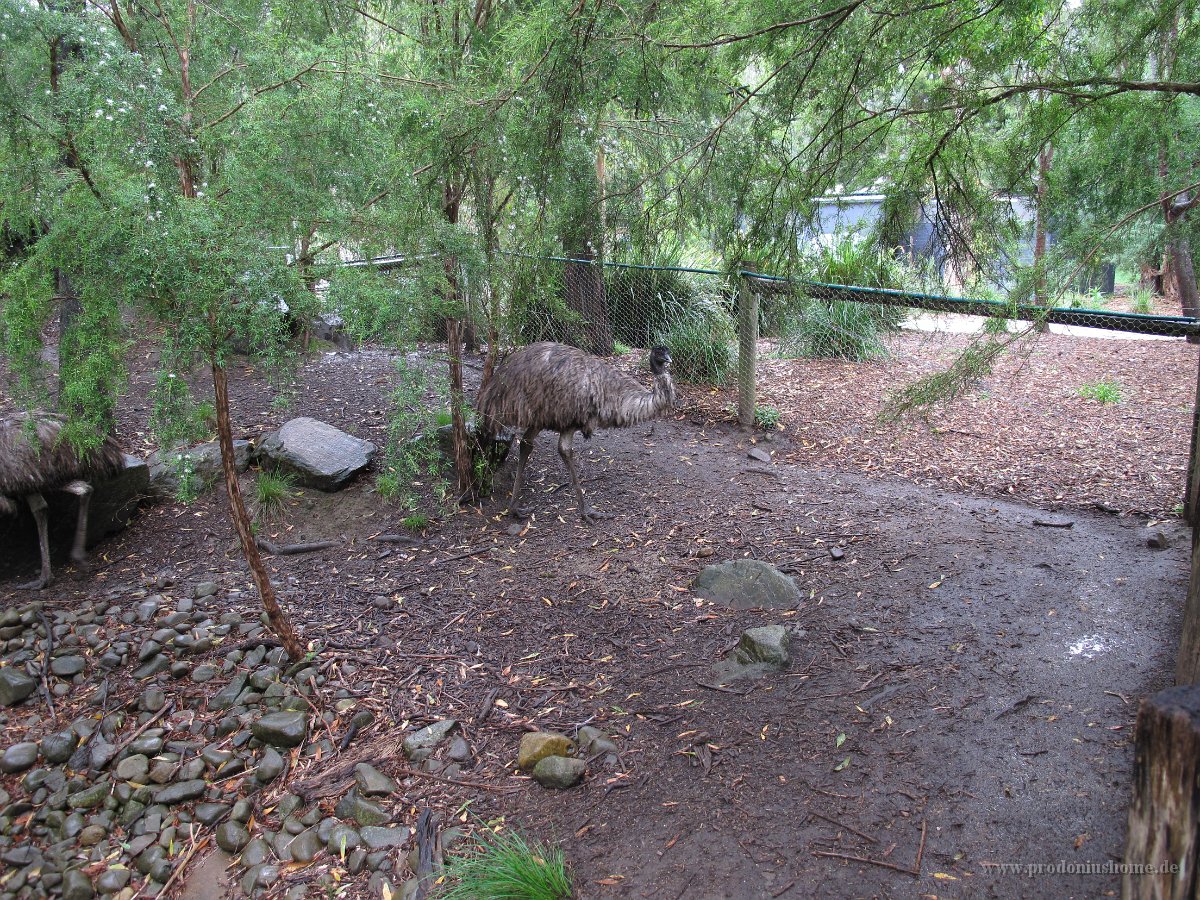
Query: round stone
<point>19,757</point>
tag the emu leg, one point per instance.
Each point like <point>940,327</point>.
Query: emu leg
<point>83,491</point>
<point>566,450</point>
<point>526,449</point>
<point>37,505</point>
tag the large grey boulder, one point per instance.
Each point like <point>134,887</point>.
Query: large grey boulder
<point>198,467</point>
<point>746,584</point>
<point>317,454</point>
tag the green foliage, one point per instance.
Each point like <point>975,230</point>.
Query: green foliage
<point>834,329</point>
<point>1142,302</point>
<point>767,417</point>
<point>272,490</point>
<point>414,461</point>
<point>702,341</point>
<point>506,867</point>
<point>620,349</point>
<point>642,302</point>
<point>416,522</point>
<point>1101,391</point>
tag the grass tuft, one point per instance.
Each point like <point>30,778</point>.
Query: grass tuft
<point>273,490</point>
<point>506,867</point>
<point>1101,391</point>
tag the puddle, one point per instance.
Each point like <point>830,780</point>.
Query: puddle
<point>1087,647</point>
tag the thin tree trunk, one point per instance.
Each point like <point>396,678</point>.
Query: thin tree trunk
<point>451,203</point>
<point>1045,158</point>
<point>241,520</point>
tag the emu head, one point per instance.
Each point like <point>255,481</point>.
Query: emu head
<point>660,360</point>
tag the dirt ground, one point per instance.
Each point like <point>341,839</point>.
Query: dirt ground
<point>966,675</point>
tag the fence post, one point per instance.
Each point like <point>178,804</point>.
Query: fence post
<point>1165,809</point>
<point>747,349</point>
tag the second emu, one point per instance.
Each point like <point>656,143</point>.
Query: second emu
<point>553,387</point>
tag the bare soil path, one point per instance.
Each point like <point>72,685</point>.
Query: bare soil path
<point>984,669</point>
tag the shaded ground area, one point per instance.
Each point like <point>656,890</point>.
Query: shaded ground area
<point>983,668</point>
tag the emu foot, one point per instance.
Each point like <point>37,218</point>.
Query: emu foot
<point>592,516</point>
<point>519,512</point>
<point>40,583</point>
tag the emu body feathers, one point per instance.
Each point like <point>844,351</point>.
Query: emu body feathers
<point>38,459</point>
<point>553,387</point>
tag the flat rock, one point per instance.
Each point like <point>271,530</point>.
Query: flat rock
<point>67,666</point>
<point>382,838</point>
<point>746,584</point>
<point>76,886</point>
<point>767,644</point>
<point>373,783</point>
<point>361,810</point>
<point>317,454</point>
<point>281,729</point>
<point>15,686</point>
<point>19,757</point>
<point>57,748</point>
<point>757,453</point>
<point>428,737</point>
<point>558,772</point>
<point>537,745</point>
<point>181,791</point>
<point>200,466</point>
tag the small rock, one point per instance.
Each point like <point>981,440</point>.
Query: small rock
<point>759,454</point>
<point>537,745</point>
<point>92,835</point>
<point>361,810</point>
<point>270,766</point>
<point>15,686</point>
<point>180,792</point>
<point>76,886</point>
<point>67,666</point>
<point>767,644</point>
<point>305,846</point>
<point>257,851</point>
<point>428,737</point>
<point>745,584</point>
<point>152,666</point>
<point>147,608</point>
<point>281,729</point>
<point>57,748</point>
<point>19,757</point>
<point>204,673</point>
<point>232,837</point>
<point>208,813</point>
<point>558,772</point>
<point>460,750</point>
<point>383,838</point>
<point>134,768</point>
<point>371,782</point>
<point>342,840</point>
<point>205,589</point>
<point>113,879</point>
<point>90,797</point>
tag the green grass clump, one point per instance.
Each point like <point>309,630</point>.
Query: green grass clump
<point>835,329</point>
<point>702,342</point>
<point>1143,302</point>
<point>506,867</point>
<point>416,522</point>
<point>767,417</point>
<point>620,349</point>
<point>272,491</point>
<point>1101,391</point>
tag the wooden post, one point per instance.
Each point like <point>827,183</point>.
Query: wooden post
<point>747,350</point>
<point>1192,492</point>
<point>1165,810</point>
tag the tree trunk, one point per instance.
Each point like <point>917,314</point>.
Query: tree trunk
<point>241,521</point>
<point>1183,275</point>
<point>451,203</point>
<point>1045,158</point>
<point>1165,810</point>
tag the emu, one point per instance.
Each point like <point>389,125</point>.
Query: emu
<point>553,387</point>
<point>35,458</point>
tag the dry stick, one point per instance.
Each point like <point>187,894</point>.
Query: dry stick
<point>843,825</point>
<point>293,549</point>
<point>45,666</point>
<point>179,868</point>
<point>133,737</point>
<point>475,552</point>
<point>864,859</point>
<point>470,784</point>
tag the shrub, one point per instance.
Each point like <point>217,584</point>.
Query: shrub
<point>506,867</point>
<point>1143,302</point>
<point>416,522</point>
<point>838,329</point>
<point>767,417</point>
<point>641,302</point>
<point>701,339</point>
<point>272,490</point>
